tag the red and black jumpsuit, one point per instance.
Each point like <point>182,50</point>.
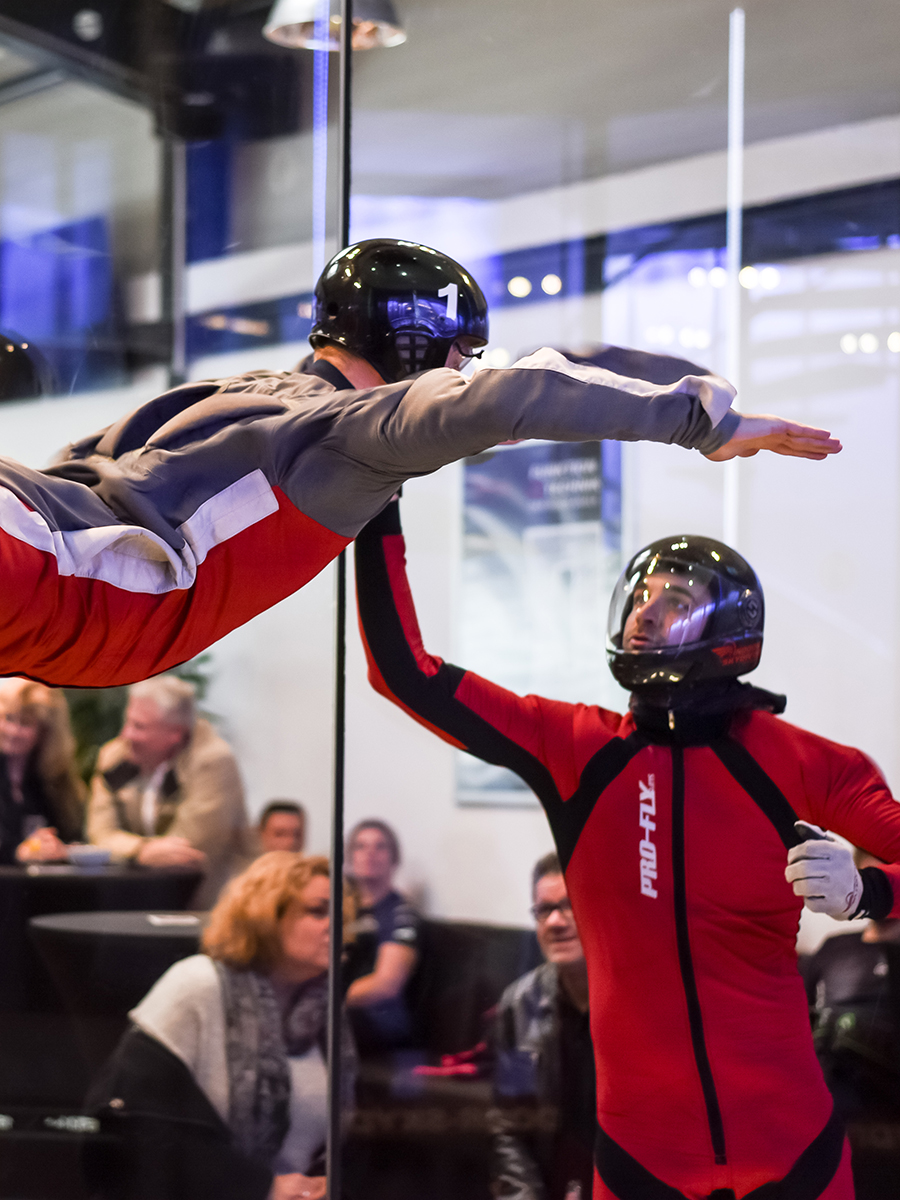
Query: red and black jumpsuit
<point>674,848</point>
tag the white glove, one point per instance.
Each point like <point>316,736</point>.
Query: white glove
<point>824,873</point>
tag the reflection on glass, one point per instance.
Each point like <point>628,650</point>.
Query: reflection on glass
<point>541,543</point>
<point>293,23</point>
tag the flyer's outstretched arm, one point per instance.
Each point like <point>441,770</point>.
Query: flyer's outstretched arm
<point>151,540</point>
<point>750,434</point>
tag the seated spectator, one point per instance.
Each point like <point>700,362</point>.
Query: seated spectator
<point>219,1088</point>
<point>384,954</point>
<point>848,985</point>
<point>41,795</point>
<point>544,1062</point>
<point>282,826</point>
<point>167,791</point>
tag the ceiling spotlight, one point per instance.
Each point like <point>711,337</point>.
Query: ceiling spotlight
<point>293,23</point>
<point>748,277</point>
<point>519,286</point>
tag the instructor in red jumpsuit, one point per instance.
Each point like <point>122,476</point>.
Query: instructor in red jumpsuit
<point>673,824</point>
<point>150,540</point>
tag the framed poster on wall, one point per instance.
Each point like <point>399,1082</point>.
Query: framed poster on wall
<point>541,552</point>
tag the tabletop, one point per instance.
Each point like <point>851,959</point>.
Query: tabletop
<point>27,872</point>
<point>102,964</point>
<point>50,889</point>
<point>179,925</point>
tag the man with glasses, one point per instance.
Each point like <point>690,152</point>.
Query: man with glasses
<point>544,1062</point>
<point>153,538</point>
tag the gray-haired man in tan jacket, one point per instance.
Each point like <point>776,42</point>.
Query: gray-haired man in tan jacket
<point>167,791</point>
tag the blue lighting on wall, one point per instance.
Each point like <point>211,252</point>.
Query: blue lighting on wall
<point>57,291</point>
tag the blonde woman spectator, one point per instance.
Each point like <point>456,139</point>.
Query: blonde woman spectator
<point>41,795</point>
<point>227,1050</point>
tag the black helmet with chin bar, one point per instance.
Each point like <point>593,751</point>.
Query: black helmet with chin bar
<point>720,635</point>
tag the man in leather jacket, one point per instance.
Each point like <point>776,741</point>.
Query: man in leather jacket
<point>852,990</point>
<point>543,1062</point>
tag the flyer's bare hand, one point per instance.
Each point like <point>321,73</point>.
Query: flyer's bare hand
<point>755,433</point>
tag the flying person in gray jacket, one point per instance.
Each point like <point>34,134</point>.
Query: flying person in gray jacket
<point>151,539</point>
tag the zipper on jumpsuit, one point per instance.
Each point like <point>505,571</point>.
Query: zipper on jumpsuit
<point>685,962</point>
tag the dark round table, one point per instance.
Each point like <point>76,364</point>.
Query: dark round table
<point>32,891</point>
<point>104,963</point>
<point>42,1053</point>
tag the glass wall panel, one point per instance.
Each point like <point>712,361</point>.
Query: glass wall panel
<point>166,201</point>
<point>817,326</point>
<point>656,189</point>
<point>580,161</point>
<point>564,156</point>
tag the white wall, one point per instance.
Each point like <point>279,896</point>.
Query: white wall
<point>822,536</point>
<point>465,862</point>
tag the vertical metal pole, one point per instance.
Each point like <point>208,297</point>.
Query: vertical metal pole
<point>320,162</point>
<point>173,239</point>
<point>734,253</point>
<point>345,117</point>
<point>335,989</point>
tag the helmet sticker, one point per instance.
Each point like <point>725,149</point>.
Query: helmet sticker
<point>451,291</point>
<point>750,609</point>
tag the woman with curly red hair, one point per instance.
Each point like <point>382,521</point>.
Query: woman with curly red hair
<point>219,1088</point>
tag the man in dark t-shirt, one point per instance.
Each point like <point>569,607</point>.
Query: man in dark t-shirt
<point>385,950</point>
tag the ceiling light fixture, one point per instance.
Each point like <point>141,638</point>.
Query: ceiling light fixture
<point>293,23</point>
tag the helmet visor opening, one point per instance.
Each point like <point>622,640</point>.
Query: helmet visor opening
<point>685,609</point>
<point>662,605</point>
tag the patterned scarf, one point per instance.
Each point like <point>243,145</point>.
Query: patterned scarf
<point>257,1043</point>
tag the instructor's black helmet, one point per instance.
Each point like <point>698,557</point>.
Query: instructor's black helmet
<point>685,610</point>
<point>398,305</point>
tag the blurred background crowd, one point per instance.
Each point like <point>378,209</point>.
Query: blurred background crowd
<point>466,1057</point>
